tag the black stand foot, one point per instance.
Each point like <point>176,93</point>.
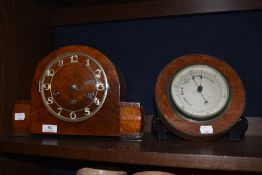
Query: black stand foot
<point>236,132</point>
<point>158,129</point>
<point>239,129</point>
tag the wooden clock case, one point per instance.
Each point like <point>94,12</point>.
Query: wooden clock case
<point>189,129</point>
<point>114,118</point>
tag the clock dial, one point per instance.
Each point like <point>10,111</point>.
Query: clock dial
<point>199,92</point>
<point>73,86</point>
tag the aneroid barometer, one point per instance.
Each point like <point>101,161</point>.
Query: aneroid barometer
<point>77,90</point>
<point>199,96</point>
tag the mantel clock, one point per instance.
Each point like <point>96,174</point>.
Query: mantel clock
<point>76,90</point>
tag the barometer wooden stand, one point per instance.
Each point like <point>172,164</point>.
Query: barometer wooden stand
<point>199,97</point>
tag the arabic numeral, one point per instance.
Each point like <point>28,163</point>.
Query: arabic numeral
<point>74,58</point>
<point>87,62</point>
<point>60,63</point>
<point>87,112</point>
<point>73,115</point>
<point>59,110</point>
<point>96,101</point>
<point>47,86</point>
<point>98,73</point>
<point>50,72</point>
<point>100,86</point>
<point>50,100</point>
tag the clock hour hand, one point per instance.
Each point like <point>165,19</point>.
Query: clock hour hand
<point>74,87</point>
<point>86,82</point>
<point>90,95</point>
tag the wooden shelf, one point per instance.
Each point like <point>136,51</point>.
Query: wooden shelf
<point>66,12</point>
<point>27,29</point>
<point>221,154</point>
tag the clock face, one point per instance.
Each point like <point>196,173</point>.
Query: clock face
<point>199,92</point>
<point>73,86</point>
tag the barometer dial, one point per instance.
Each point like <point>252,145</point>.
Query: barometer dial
<point>199,92</point>
<point>199,96</point>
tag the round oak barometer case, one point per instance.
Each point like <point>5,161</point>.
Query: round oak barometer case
<point>199,96</point>
<point>76,90</point>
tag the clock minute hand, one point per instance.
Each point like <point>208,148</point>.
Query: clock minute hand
<point>89,95</point>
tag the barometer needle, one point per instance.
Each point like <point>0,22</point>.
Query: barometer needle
<point>206,102</point>
<point>200,88</point>
<point>194,80</point>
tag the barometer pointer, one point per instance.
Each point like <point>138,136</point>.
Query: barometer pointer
<point>199,89</point>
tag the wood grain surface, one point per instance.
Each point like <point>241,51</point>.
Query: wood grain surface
<point>189,129</point>
<point>25,36</point>
<point>105,122</point>
<point>72,12</point>
<point>131,119</point>
<point>221,154</point>
<point>21,126</point>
